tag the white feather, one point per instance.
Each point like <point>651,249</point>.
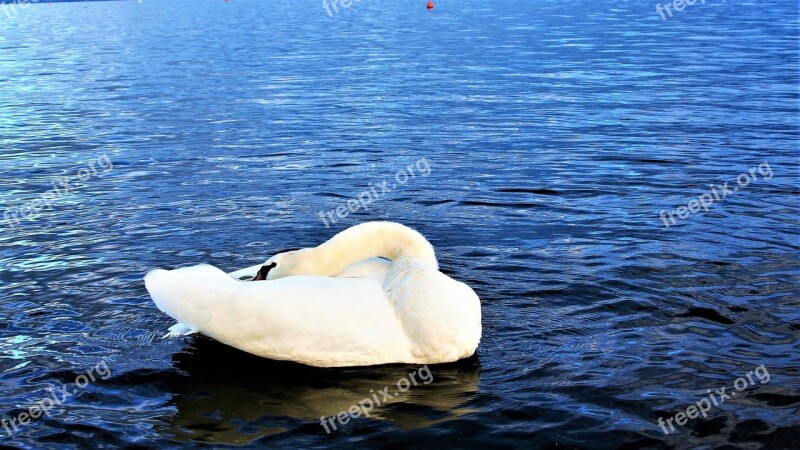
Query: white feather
<point>178,330</point>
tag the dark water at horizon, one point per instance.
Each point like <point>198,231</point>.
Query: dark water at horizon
<point>555,132</point>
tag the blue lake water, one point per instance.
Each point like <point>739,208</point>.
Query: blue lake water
<point>556,132</point>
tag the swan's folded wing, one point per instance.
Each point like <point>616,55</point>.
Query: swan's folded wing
<point>319,321</point>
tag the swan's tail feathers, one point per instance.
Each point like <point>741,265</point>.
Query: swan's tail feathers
<point>179,330</point>
<point>190,295</point>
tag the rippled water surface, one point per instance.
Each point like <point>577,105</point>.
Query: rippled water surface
<point>555,132</point>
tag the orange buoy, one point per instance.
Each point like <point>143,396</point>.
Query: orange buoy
<point>430,5</point>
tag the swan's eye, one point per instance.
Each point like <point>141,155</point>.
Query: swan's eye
<point>262,273</point>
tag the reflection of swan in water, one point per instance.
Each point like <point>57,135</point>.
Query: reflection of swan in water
<point>233,397</point>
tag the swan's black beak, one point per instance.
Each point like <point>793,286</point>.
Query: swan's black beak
<point>263,271</point>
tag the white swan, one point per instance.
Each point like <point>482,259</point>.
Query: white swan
<point>317,308</point>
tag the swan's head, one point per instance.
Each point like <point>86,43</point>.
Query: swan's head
<point>296,262</point>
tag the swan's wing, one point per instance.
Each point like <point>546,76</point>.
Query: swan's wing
<point>178,330</point>
<point>320,321</point>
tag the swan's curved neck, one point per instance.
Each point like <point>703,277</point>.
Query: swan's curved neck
<point>368,240</point>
